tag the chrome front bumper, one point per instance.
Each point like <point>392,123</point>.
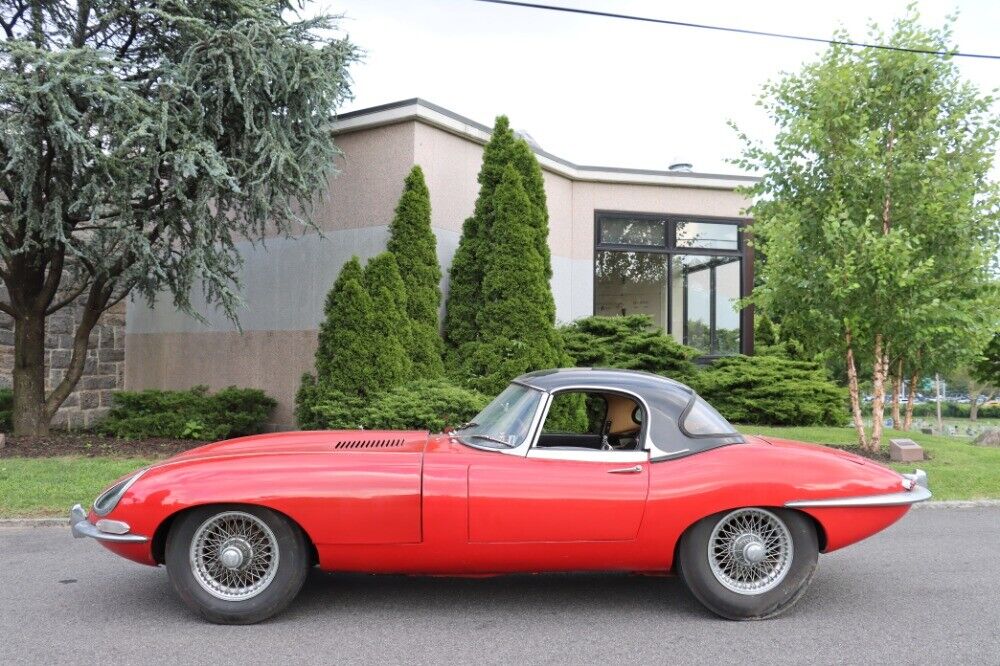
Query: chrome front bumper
<point>104,530</point>
<point>914,490</point>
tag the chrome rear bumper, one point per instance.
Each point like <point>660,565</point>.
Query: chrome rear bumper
<point>914,490</point>
<point>104,530</point>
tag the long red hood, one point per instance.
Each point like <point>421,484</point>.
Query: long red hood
<point>312,441</point>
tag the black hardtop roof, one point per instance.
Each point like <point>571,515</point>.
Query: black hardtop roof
<point>636,381</point>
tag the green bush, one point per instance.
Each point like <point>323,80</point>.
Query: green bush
<point>630,342</point>
<point>6,409</point>
<point>413,243</point>
<point>515,324</point>
<point>769,390</point>
<point>428,404</point>
<point>191,414</point>
<point>954,410</point>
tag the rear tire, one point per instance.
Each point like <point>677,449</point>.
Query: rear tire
<point>750,563</point>
<point>235,564</point>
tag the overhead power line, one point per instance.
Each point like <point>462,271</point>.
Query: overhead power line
<point>741,31</point>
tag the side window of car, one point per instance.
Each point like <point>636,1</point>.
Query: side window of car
<point>592,420</point>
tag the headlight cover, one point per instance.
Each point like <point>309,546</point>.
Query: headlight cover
<point>108,500</point>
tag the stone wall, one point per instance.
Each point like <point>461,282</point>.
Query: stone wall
<point>103,373</point>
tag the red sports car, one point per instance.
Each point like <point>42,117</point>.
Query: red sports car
<point>658,482</point>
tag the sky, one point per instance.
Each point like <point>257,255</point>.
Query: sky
<point>600,91</point>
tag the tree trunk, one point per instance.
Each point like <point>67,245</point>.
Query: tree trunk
<point>974,404</point>
<point>852,386</point>
<point>878,394</point>
<point>908,419</point>
<point>937,395</point>
<point>897,390</point>
<point>29,417</point>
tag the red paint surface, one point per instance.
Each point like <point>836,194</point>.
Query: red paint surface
<point>432,505</point>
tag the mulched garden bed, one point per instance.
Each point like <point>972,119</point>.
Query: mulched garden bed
<point>91,445</point>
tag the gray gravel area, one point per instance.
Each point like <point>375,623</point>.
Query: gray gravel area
<point>925,591</point>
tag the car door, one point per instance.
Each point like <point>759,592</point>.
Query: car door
<point>558,496</point>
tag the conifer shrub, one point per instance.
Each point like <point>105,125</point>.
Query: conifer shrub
<point>770,390</point>
<point>425,404</point>
<point>412,242</point>
<point>388,361</point>
<point>516,332</point>
<point>630,342</point>
<point>190,414</point>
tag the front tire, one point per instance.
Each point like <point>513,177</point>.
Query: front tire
<point>236,564</point>
<point>750,563</point>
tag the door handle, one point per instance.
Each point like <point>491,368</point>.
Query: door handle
<point>626,470</point>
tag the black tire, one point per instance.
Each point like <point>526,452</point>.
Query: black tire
<point>288,575</point>
<point>693,561</point>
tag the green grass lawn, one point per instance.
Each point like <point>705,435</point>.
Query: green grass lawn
<point>957,470</point>
<point>33,487</point>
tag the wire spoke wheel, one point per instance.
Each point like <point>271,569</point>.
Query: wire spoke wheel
<point>750,551</point>
<point>234,556</point>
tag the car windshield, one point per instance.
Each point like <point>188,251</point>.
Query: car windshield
<point>503,423</point>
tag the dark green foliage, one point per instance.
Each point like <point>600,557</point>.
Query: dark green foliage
<point>767,390</point>
<point>466,296</point>
<point>631,342</point>
<point>954,410</point>
<point>426,404</point>
<point>412,241</point>
<point>770,339</point>
<point>987,367</point>
<point>6,405</point>
<point>388,361</point>
<point>191,414</point>
<point>523,159</point>
<point>344,358</point>
<point>331,347</point>
<point>765,334</point>
<point>515,329</point>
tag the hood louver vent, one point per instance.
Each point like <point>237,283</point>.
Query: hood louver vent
<point>369,444</point>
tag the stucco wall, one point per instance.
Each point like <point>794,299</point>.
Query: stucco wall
<point>285,281</point>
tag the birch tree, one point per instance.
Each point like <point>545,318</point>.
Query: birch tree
<point>875,210</point>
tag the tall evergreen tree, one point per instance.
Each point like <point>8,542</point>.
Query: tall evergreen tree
<point>465,296</point>
<point>343,354</point>
<point>389,362</point>
<point>516,332</point>
<point>412,241</point>
<point>330,349</point>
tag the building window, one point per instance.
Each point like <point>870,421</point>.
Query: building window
<point>686,274</point>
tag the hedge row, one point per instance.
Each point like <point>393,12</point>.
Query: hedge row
<point>955,410</point>
<point>191,414</point>
<point>6,407</point>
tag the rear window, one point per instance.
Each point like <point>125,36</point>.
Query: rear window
<point>702,420</point>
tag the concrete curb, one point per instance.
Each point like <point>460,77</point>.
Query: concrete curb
<point>34,522</point>
<point>11,523</point>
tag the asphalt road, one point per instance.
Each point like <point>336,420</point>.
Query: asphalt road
<point>925,591</point>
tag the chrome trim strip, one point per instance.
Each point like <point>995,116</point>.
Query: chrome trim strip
<point>918,494</point>
<point>121,493</point>
<point>81,527</point>
<point>591,455</point>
